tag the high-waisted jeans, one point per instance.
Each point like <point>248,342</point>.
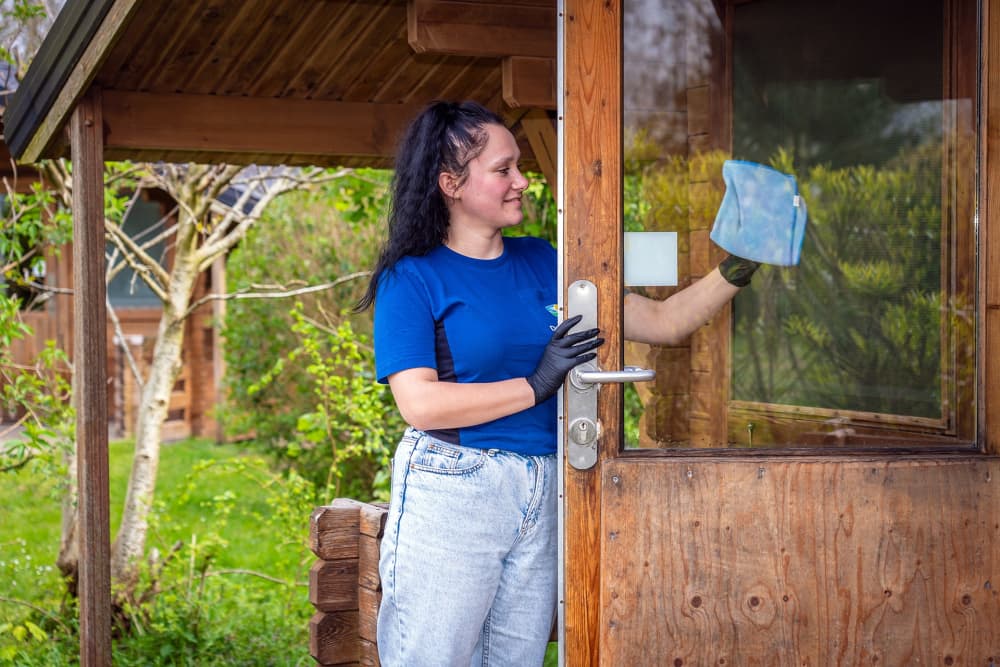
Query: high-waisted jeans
<point>469,557</point>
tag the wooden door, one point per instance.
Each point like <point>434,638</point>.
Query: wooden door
<point>817,520</point>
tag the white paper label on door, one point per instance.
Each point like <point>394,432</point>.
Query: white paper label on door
<point>650,259</point>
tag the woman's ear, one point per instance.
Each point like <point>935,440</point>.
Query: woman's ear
<point>449,184</point>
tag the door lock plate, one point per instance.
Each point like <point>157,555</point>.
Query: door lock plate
<point>581,400</point>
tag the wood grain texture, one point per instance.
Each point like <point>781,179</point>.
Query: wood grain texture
<point>205,122</point>
<point>989,236</point>
<point>369,549</point>
<point>368,606</point>
<point>48,137</point>
<point>333,584</point>
<point>90,385</point>
<point>592,251</point>
<point>541,134</point>
<point>883,562</point>
<point>347,51</point>
<point>333,529</point>
<point>333,638</point>
<point>369,654</point>
<point>372,519</point>
<point>456,27</point>
<point>529,82</point>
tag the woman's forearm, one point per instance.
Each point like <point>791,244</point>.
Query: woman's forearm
<point>427,403</point>
<point>672,320</point>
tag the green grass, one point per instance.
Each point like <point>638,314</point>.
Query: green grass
<point>30,522</point>
<point>229,509</point>
<point>230,515</point>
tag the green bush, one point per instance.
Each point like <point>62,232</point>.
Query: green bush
<point>305,238</point>
<point>345,436</point>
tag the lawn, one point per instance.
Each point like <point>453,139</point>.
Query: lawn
<point>232,519</point>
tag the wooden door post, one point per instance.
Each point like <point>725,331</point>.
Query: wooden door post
<point>91,368</point>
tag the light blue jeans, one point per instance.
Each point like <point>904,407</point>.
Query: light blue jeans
<point>469,555</point>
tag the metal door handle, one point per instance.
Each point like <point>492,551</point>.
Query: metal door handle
<point>583,384</point>
<point>582,377</point>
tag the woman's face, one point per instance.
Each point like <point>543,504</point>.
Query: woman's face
<point>490,195</point>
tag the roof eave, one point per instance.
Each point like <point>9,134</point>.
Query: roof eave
<point>30,125</point>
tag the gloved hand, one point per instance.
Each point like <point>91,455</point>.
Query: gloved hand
<point>737,270</point>
<point>762,216</point>
<point>561,355</point>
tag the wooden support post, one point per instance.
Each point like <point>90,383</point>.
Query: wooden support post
<point>91,367</point>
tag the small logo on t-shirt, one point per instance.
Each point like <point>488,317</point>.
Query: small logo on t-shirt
<point>554,312</point>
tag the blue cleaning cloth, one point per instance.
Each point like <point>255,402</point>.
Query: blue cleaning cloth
<point>762,216</point>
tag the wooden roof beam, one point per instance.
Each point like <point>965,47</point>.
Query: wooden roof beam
<point>541,133</point>
<point>529,82</point>
<point>481,29</point>
<point>211,123</point>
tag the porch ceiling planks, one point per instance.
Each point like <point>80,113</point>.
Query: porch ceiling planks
<point>228,58</point>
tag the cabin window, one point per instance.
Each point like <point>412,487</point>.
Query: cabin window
<point>145,224</point>
<point>870,341</point>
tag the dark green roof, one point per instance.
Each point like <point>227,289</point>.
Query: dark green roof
<point>71,32</point>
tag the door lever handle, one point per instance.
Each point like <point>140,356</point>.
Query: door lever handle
<point>585,375</point>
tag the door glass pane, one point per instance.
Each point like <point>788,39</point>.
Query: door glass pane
<point>871,105</point>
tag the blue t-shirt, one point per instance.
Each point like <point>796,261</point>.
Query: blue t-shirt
<point>474,320</point>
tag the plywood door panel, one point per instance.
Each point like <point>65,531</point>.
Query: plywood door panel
<point>828,562</point>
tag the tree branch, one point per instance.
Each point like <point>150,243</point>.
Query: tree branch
<point>223,238</point>
<point>41,287</point>
<point>149,267</point>
<point>252,573</point>
<point>123,343</point>
<point>246,294</point>
<point>17,466</point>
<point>38,609</point>
<point>17,262</point>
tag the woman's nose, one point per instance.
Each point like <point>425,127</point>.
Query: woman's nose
<point>521,182</point>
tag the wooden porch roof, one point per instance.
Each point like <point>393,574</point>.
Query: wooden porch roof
<point>284,81</point>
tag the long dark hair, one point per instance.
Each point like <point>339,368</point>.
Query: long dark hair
<point>444,137</point>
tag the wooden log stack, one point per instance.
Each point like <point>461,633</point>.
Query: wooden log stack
<point>344,583</point>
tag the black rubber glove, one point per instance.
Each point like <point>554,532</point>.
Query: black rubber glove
<point>738,271</point>
<point>561,355</point>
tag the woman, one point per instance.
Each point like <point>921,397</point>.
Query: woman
<point>466,336</point>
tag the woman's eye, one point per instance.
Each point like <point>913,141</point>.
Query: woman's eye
<point>505,171</point>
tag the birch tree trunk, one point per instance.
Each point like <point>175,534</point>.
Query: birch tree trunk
<point>154,404</point>
<point>68,559</point>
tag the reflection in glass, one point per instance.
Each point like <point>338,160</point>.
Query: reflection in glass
<point>871,105</point>
<point>675,139</point>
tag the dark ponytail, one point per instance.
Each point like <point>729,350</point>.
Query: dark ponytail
<point>444,137</point>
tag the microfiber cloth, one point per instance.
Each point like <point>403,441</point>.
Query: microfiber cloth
<point>762,216</point>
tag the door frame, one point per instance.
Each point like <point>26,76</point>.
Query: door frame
<point>589,187</point>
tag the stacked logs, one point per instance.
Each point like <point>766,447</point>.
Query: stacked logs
<point>344,584</point>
